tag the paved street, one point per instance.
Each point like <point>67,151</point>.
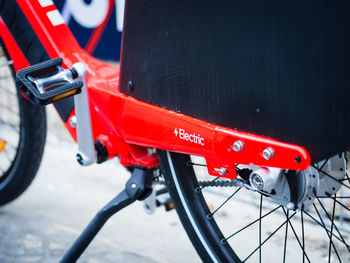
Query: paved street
<point>41,224</point>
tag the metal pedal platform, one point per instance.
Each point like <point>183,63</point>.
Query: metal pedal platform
<point>48,82</point>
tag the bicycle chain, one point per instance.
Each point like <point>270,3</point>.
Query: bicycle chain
<point>222,183</point>
<point>225,183</point>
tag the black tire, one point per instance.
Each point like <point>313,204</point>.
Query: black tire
<point>213,242</point>
<point>19,161</point>
<point>191,207</point>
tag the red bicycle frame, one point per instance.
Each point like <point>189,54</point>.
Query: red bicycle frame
<point>128,126</point>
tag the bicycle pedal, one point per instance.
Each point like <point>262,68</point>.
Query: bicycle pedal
<point>157,199</point>
<point>48,82</point>
<point>165,201</point>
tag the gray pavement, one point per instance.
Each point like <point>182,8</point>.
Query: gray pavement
<point>41,224</point>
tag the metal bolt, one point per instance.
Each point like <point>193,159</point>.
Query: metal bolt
<point>238,146</point>
<point>268,153</point>
<point>131,85</point>
<point>73,121</point>
<point>133,185</point>
<point>222,171</point>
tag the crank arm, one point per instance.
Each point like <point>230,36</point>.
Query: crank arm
<point>48,82</point>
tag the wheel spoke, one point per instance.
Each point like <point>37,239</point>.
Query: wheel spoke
<point>285,236</point>
<point>260,213</point>
<point>335,226</point>
<point>303,232</point>
<point>324,163</point>
<point>318,222</point>
<point>346,186</point>
<point>339,203</point>
<point>296,236</point>
<point>217,209</point>
<point>345,179</point>
<point>274,232</point>
<point>327,232</point>
<point>347,176</point>
<point>330,238</point>
<point>240,230</point>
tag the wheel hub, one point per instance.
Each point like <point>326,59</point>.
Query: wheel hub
<point>323,179</point>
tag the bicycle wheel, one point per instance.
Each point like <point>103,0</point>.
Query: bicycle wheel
<point>22,135</point>
<point>230,223</point>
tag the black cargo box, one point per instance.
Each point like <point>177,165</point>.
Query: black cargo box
<point>280,69</point>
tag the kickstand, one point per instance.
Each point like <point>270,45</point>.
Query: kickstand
<point>138,187</point>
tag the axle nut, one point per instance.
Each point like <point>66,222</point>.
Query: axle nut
<point>265,179</point>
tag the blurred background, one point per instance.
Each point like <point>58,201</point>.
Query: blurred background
<point>97,25</point>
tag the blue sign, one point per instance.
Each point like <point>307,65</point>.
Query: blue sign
<point>97,25</point>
